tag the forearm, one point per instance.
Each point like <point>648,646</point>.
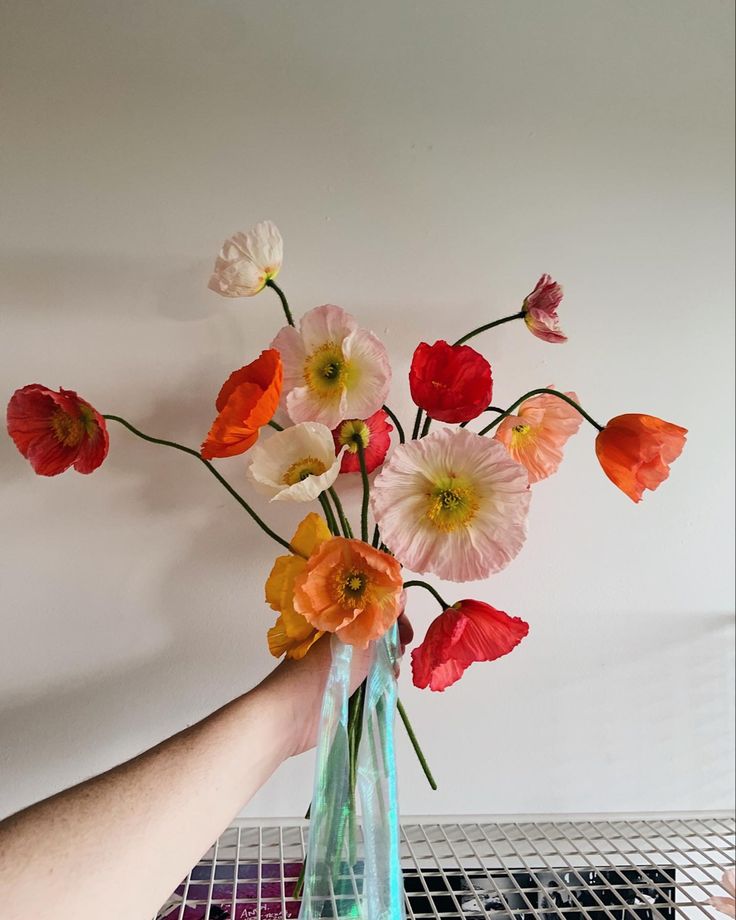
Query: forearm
<point>126,838</point>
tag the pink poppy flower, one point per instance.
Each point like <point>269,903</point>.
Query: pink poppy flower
<point>537,433</point>
<point>468,631</point>
<point>333,370</point>
<point>727,905</point>
<point>375,436</point>
<point>540,311</point>
<point>453,503</point>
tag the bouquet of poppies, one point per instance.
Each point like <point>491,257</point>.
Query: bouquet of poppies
<point>449,501</point>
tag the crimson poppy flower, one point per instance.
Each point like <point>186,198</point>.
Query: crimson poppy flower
<point>374,434</point>
<point>452,383</point>
<point>636,450</point>
<point>56,429</point>
<point>540,311</point>
<point>247,401</point>
<point>466,632</point>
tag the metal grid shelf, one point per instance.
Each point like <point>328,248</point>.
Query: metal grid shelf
<point>598,867</point>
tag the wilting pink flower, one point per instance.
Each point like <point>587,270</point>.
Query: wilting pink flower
<point>374,433</point>
<point>453,503</point>
<point>537,433</point>
<point>333,369</point>
<point>727,905</point>
<point>466,632</point>
<point>247,261</point>
<point>540,310</point>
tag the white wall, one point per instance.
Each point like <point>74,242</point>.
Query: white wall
<point>425,162</point>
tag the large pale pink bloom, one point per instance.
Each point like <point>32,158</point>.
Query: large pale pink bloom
<point>540,311</point>
<point>727,905</point>
<point>537,433</point>
<point>453,503</point>
<point>247,261</point>
<point>333,370</point>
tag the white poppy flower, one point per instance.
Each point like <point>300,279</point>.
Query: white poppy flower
<point>247,261</point>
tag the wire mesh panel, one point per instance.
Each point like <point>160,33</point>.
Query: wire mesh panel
<point>562,869</point>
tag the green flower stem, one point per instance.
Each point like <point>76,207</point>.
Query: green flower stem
<point>366,492</point>
<point>394,419</point>
<point>416,583</point>
<point>344,522</point>
<point>496,322</point>
<point>221,479</point>
<point>417,425</point>
<point>489,409</point>
<point>276,425</point>
<point>376,541</point>
<point>538,392</point>
<point>329,516</point>
<point>425,427</point>
<point>415,744</point>
<point>284,302</point>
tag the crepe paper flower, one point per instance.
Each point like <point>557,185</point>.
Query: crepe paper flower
<point>452,503</point>
<point>351,589</point>
<point>247,401</point>
<point>247,261</point>
<point>466,632</point>
<point>373,433</point>
<point>292,635</point>
<point>635,451</point>
<point>56,429</point>
<point>452,383</point>
<point>333,370</point>
<point>537,433</point>
<point>727,905</point>
<point>540,311</point>
<point>296,464</point>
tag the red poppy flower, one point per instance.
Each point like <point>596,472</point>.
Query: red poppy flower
<point>466,632</point>
<point>635,451</point>
<point>375,436</point>
<point>247,401</point>
<point>452,383</point>
<point>55,430</point>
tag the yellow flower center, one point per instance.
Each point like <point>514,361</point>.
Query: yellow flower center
<point>453,503</point>
<point>520,434</point>
<point>69,430</point>
<point>326,371</point>
<point>352,432</point>
<point>351,585</point>
<point>303,469</point>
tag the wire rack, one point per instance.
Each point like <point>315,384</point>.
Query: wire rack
<point>599,867</point>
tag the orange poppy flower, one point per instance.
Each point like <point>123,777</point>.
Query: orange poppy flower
<point>247,401</point>
<point>635,451</point>
<point>349,588</point>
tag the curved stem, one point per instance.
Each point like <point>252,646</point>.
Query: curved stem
<point>489,409</point>
<point>417,425</point>
<point>284,302</point>
<point>347,530</point>
<point>415,744</point>
<point>366,492</point>
<point>416,583</point>
<point>425,427</point>
<point>276,425</point>
<point>538,392</point>
<point>394,419</point>
<point>329,516</point>
<point>221,479</point>
<point>496,322</point>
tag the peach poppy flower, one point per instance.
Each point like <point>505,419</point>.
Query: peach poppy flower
<point>247,261</point>
<point>292,635</point>
<point>727,905</point>
<point>537,433</point>
<point>636,450</point>
<point>247,401</point>
<point>351,589</point>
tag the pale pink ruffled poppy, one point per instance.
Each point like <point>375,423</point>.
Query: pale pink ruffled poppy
<point>452,503</point>
<point>536,435</point>
<point>247,261</point>
<point>333,370</point>
<point>540,311</point>
<point>727,905</point>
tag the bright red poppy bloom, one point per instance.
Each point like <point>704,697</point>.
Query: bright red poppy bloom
<point>374,434</point>
<point>452,383</point>
<point>247,401</point>
<point>56,429</point>
<point>635,451</point>
<point>466,632</point>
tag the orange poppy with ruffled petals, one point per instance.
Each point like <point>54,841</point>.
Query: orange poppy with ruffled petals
<point>349,588</point>
<point>246,402</point>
